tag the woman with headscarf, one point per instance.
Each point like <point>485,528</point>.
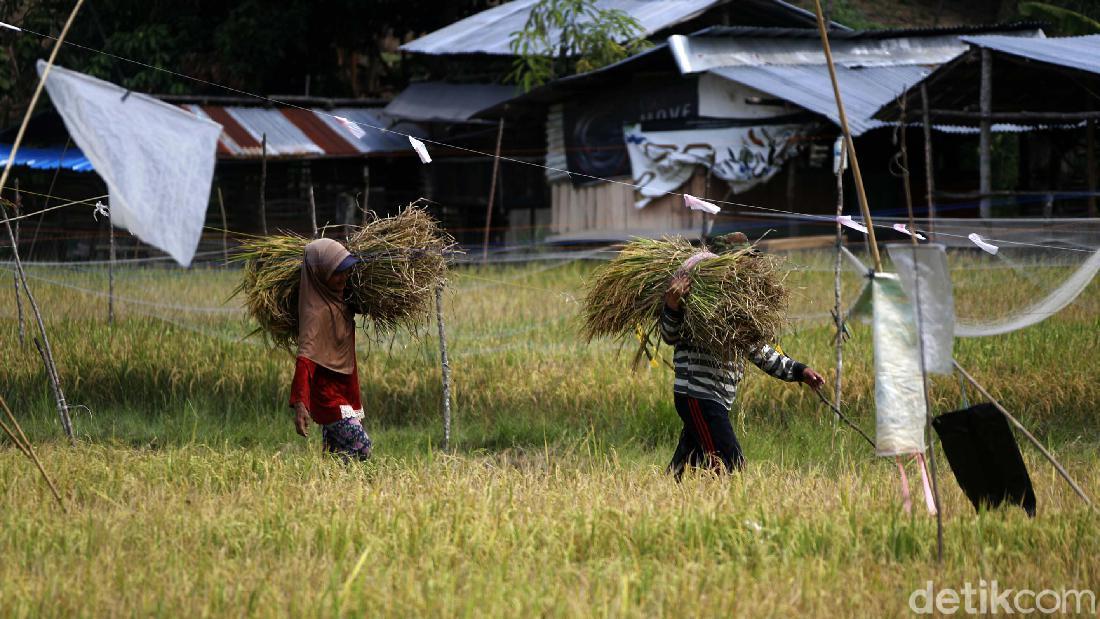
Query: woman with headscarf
<point>326,381</point>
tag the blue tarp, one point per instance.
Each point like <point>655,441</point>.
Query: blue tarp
<point>47,158</point>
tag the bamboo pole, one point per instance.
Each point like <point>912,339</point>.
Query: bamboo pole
<point>863,206</point>
<point>492,193</point>
<point>1090,170</point>
<point>15,276</point>
<point>263,183</point>
<point>929,170</point>
<point>225,227</point>
<point>446,366</point>
<point>44,348</point>
<point>1019,426</point>
<point>28,449</point>
<point>919,313</point>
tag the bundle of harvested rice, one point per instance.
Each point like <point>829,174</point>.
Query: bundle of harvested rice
<point>737,299</point>
<point>403,258</point>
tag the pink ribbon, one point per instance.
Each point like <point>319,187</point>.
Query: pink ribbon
<point>929,500</point>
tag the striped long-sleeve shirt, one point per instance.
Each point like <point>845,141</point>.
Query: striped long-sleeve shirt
<point>701,375</point>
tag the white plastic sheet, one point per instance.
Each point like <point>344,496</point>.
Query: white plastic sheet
<point>937,300</point>
<point>900,408</point>
<point>157,159</point>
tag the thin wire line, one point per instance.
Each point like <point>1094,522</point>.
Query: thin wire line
<point>472,150</point>
<point>52,208</point>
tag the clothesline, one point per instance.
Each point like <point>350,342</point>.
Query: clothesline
<point>415,141</point>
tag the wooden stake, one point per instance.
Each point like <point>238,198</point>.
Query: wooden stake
<point>28,449</point>
<point>863,206</point>
<point>312,211</point>
<point>15,276</point>
<point>225,227</point>
<point>838,315</point>
<point>929,172</point>
<point>985,138</point>
<point>492,193</point>
<point>1019,426</point>
<point>263,184</point>
<point>446,366</point>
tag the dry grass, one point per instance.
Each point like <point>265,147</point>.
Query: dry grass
<point>737,300</point>
<point>190,494</point>
<point>403,259</point>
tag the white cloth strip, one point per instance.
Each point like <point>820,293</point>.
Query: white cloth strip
<point>977,240</point>
<point>420,149</point>
<point>355,130</point>
<point>904,230</point>
<point>696,204</point>
<point>846,221</point>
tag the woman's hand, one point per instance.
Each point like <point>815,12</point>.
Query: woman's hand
<point>301,419</point>
<point>677,288</point>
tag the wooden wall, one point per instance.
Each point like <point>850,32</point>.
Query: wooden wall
<point>609,208</point>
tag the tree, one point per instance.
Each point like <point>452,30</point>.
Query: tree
<point>577,35</point>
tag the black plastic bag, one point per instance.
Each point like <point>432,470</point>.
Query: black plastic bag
<point>985,458</point>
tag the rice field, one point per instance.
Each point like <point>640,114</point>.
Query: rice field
<point>190,495</point>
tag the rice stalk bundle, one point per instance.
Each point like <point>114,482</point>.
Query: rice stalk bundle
<point>737,300</point>
<point>403,259</point>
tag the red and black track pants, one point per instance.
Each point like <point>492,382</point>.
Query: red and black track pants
<point>707,439</point>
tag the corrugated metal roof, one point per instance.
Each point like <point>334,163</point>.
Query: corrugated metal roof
<point>864,90</point>
<point>295,132</point>
<point>47,158</point>
<point>786,46</point>
<point>490,31</point>
<point>1081,53</point>
<point>448,103</point>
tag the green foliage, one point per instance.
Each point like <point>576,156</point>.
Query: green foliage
<point>1063,21</point>
<point>571,34</point>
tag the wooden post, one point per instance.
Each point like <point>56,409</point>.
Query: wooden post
<point>312,211</point>
<point>263,184</point>
<point>1019,426</point>
<point>225,227</point>
<point>446,366</point>
<point>111,269</point>
<point>860,192</point>
<point>492,194</point>
<point>919,315</point>
<point>366,195</point>
<point>1090,171</point>
<point>929,171</point>
<point>985,139</point>
<point>15,276</point>
<point>47,353</point>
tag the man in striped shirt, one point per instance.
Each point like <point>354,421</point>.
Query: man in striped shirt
<point>706,386</point>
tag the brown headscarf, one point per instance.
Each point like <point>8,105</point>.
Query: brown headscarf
<point>326,326</point>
